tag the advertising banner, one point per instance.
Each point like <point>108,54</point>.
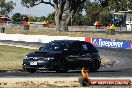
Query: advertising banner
<point>111,43</point>
<point>131,44</point>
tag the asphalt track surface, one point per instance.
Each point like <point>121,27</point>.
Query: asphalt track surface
<point>120,66</point>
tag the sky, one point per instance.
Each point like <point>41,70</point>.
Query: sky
<point>40,10</point>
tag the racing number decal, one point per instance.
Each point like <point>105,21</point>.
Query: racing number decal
<point>84,47</point>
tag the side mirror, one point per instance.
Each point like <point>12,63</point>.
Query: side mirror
<point>40,48</point>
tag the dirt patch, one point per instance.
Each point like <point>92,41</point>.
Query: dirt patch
<point>108,63</point>
<point>39,82</point>
<point>46,83</point>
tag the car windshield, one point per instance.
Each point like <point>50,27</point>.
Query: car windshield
<point>54,46</point>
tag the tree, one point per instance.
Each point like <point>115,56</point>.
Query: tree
<point>17,17</point>
<point>116,4</point>
<point>6,7</point>
<point>42,18</point>
<point>32,19</point>
<point>92,10</point>
<point>64,10</point>
<point>51,17</point>
<point>101,10</point>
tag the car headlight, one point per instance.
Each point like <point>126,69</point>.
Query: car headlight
<point>48,58</point>
<point>26,57</point>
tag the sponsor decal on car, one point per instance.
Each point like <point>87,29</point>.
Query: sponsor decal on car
<point>111,43</point>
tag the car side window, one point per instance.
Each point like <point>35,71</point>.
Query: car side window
<point>84,48</point>
<point>75,48</point>
<point>88,48</point>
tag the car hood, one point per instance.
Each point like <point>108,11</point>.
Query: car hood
<point>44,53</point>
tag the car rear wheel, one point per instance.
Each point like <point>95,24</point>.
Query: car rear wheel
<point>94,65</point>
<point>31,70</point>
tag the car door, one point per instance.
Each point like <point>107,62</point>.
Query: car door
<point>74,55</point>
<point>85,55</point>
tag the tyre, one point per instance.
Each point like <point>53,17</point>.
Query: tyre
<point>31,70</point>
<point>94,65</point>
<point>84,81</point>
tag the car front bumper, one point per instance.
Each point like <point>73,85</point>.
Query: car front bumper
<point>40,65</point>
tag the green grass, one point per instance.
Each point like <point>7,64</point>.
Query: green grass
<point>11,57</point>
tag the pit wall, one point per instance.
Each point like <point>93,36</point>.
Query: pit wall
<point>36,38</point>
<point>99,42</point>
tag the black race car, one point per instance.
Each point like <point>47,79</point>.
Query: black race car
<point>63,55</point>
